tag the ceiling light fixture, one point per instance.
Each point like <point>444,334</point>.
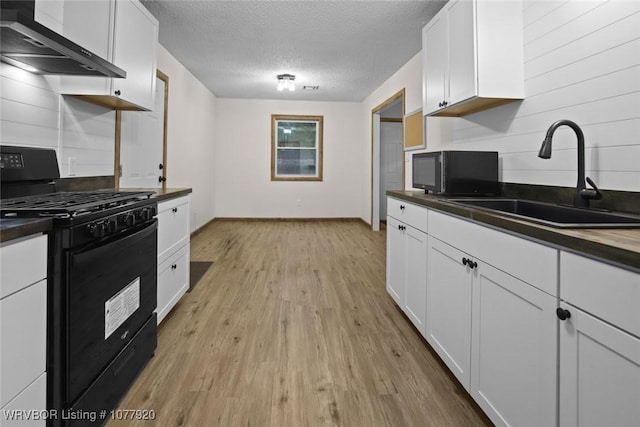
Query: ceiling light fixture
<point>286,81</point>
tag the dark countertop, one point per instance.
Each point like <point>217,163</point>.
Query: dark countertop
<point>20,227</point>
<point>14,228</point>
<point>162,194</point>
<point>171,193</point>
<point>616,245</point>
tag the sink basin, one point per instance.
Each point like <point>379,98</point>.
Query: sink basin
<point>554,215</point>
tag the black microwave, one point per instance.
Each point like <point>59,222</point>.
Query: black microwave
<point>457,173</point>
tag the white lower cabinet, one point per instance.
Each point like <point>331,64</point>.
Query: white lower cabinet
<point>416,278</point>
<point>599,373</point>
<point>173,281</point>
<point>23,331</point>
<point>495,332</point>
<point>599,344</point>
<point>173,253</point>
<point>513,350</point>
<point>407,261</point>
<point>27,409</point>
<point>537,336</point>
<point>396,261</point>
<point>449,308</point>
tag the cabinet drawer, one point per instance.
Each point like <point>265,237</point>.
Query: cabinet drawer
<point>410,214</point>
<point>23,337</point>
<point>608,292</point>
<point>173,281</point>
<point>24,262</point>
<point>173,226</point>
<point>529,261</point>
<point>32,399</point>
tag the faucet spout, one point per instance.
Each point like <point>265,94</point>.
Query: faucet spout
<point>582,195</point>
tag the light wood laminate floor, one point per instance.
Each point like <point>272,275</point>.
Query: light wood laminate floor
<point>292,326</point>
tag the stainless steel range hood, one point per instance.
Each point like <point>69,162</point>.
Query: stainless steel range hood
<point>27,44</point>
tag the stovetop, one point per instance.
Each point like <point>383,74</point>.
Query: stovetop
<point>74,205</point>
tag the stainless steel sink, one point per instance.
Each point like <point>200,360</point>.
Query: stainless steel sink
<point>554,215</point>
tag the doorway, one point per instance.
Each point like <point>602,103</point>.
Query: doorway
<point>387,160</point>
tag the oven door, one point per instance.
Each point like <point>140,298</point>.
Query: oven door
<point>112,292</point>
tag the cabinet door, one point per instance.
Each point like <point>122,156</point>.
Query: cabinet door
<point>173,281</point>
<point>89,23</point>
<point>32,400</point>
<point>449,307</point>
<point>142,144</point>
<point>123,32</point>
<point>514,350</point>
<point>135,43</point>
<point>23,338</point>
<point>434,48</point>
<point>599,373</point>
<point>462,51</point>
<point>416,277</point>
<point>396,261</point>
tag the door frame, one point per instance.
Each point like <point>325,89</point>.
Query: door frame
<point>375,155</point>
<point>118,135</point>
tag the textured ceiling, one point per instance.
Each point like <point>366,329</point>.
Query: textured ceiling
<point>347,48</point>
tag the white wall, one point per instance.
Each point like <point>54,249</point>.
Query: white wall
<point>582,63</point>
<point>190,137</point>
<point>243,161</point>
<point>409,78</point>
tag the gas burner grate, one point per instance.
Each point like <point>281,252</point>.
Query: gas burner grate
<point>69,204</point>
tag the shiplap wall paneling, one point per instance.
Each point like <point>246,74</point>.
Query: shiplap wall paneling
<point>29,108</point>
<point>581,64</point>
<point>88,136</point>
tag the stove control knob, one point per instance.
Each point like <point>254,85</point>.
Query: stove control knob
<point>129,219</point>
<point>112,226</point>
<point>97,229</point>
<point>147,213</point>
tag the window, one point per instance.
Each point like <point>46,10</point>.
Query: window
<point>296,148</point>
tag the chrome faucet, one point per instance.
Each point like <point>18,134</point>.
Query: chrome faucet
<point>583,194</point>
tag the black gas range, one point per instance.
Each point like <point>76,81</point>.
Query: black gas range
<point>101,285</point>
<point>91,214</point>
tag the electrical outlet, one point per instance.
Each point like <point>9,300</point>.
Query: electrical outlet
<point>72,166</point>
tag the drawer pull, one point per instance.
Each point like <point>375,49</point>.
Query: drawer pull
<point>469,262</point>
<point>174,266</point>
<point>402,207</point>
<point>174,210</point>
<point>563,314</point>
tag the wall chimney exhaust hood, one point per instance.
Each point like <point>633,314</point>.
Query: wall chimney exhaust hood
<point>27,44</point>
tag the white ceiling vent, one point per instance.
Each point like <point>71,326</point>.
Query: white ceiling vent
<point>310,87</point>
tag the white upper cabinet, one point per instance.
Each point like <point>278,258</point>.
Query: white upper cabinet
<point>123,32</point>
<point>49,14</point>
<point>434,41</point>
<point>473,57</point>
